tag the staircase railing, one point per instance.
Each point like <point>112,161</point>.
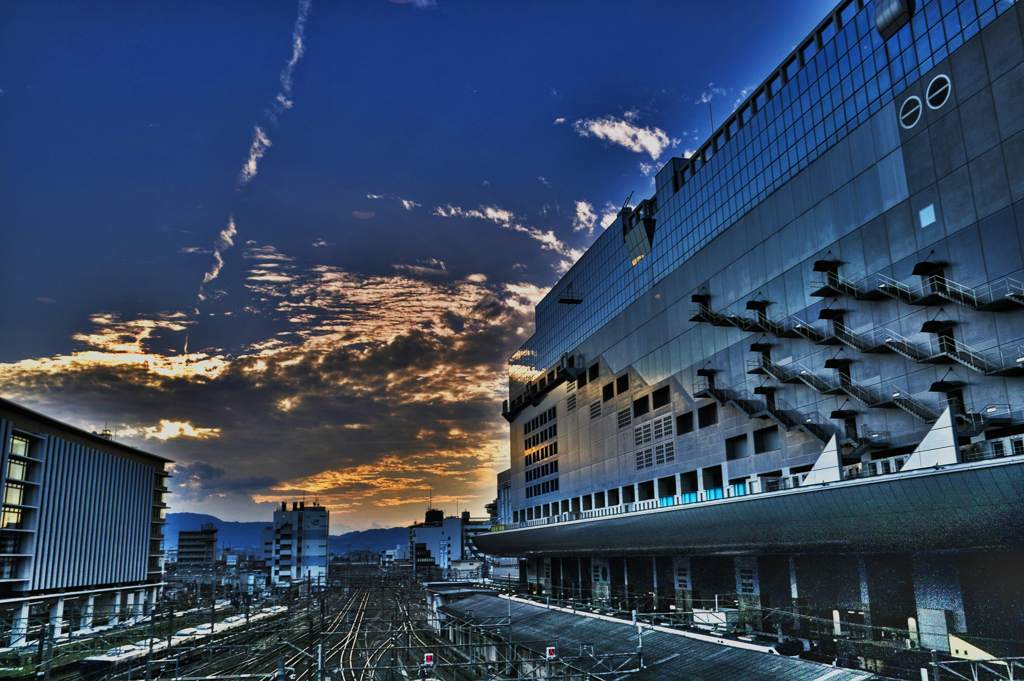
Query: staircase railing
<point>905,347</point>
<point>893,289</point>
<point>912,406</point>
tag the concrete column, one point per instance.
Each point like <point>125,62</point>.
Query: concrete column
<point>700,484</point>
<point>748,588</point>
<point>140,605</point>
<point>939,600</point>
<point>57,616</point>
<point>19,628</point>
<point>115,610</point>
<point>683,586</point>
<point>600,579</point>
<point>865,598</point>
<point>88,610</point>
<point>625,579</point>
<point>654,581</point>
<point>792,579</point>
<point>129,605</point>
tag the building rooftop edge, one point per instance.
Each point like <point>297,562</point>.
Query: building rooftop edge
<point>14,406</point>
<point>779,72</point>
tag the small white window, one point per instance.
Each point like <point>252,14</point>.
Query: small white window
<point>910,112</point>
<point>927,215</point>
<point>938,91</point>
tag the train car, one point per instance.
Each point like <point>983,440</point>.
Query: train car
<point>185,646</point>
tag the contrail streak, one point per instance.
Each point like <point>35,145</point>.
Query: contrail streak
<point>260,144</point>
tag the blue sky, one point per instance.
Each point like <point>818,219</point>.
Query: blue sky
<point>419,173</point>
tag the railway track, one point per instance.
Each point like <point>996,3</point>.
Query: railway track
<point>371,631</point>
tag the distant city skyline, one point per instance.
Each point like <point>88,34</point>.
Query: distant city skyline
<point>291,246</point>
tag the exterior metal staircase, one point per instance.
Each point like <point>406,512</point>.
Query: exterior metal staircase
<point>817,382</point>
<point>744,323</point>
<point>891,288</point>
<point>830,284</point>
<point>972,424</point>
<point>912,406</point>
<point>763,365</point>
<point>702,313</point>
<point>987,298</point>
<point>862,394</point>
<point>903,346</point>
<point>869,442</point>
<point>805,330</point>
<point>867,343</point>
<point>781,413</point>
<point>997,296</point>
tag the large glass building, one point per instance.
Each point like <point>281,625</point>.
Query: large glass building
<point>795,374</point>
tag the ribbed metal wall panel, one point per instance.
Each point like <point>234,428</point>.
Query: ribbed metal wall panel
<point>94,518</point>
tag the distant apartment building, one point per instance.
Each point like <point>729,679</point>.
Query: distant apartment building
<point>438,541</point>
<point>197,548</point>
<point>81,529</point>
<point>295,546</point>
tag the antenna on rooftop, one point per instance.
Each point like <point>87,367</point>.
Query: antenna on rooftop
<point>626,203</point>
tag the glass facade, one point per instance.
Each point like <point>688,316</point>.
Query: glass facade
<point>822,92</point>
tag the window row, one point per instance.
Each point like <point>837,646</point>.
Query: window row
<point>655,456</point>
<point>544,435</point>
<point>591,374</point>
<point>542,453</point>
<point>19,446</point>
<point>545,487</point>
<point>661,397</point>
<point>542,471</point>
<point>538,421</point>
<point>616,387</point>
<point>706,416</point>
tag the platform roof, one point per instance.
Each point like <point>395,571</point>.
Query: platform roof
<point>666,655</point>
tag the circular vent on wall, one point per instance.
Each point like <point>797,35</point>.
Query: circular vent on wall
<point>910,112</point>
<point>938,91</point>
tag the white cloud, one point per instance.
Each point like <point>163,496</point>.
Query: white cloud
<point>171,429</point>
<point>298,46</point>
<point>260,144</point>
<point>585,218</point>
<point>222,244</point>
<point>506,219</point>
<point>558,121</point>
<point>318,243</point>
<point>609,214</point>
<point>268,253</point>
<point>625,133</point>
<point>647,168</point>
<point>543,181</point>
<point>477,278</point>
<point>407,204</point>
<point>710,94</point>
<point>194,249</point>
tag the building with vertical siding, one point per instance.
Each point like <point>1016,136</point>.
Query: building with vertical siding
<point>81,529</point>
<point>793,378</point>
